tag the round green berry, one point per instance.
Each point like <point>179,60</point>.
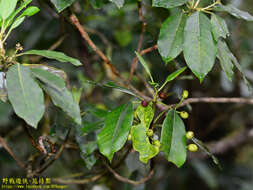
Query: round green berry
<point>185,94</point>
<point>129,137</point>
<point>184,114</point>
<point>192,147</point>
<point>150,133</point>
<point>189,135</point>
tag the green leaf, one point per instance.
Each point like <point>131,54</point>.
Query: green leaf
<point>141,142</point>
<point>170,42</point>
<point>224,55</point>
<point>60,5</point>
<point>116,129</point>
<point>58,72</point>
<point>112,85</point>
<point>7,7</point>
<point>122,89</point>
<point>172,76</point>
<point>90,127</point>
<point>145,65</point>
<point>63,99</point>
<point>30,11</point>
<point>17,22</point>
<point>25,94</point>
<point>219,27</point>
<point>168,3</point>
<point>14,14</point>
<point>236,12</point>
<point>206,150</point>
<point>199,47</point>
<point>48,78</point>
<point>173,140</point>
<point>59,56</point>
<point>118,3</point>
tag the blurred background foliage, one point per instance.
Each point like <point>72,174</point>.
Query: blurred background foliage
<point>116,32</point>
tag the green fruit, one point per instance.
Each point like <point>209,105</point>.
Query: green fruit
<point>185,94</point>
<point>184,114</point>
<point>192,147</point>
<point>150,133</point>
<point>189,135</point>
<point>129,137</point>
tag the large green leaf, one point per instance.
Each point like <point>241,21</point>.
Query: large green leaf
<point>140,139</point>
<point>118,3</point>
<point>25,94</point>
<point>59,56</point>
<point>60,5</point>
<point>219,27</point>
<point>170,42</point>
<point>48,78</point>
<point>58,72</point>
<point>116,129</point>
<point>168,3</point>
<point>7,7</point>
<point>61,98</point>
<point>224,55</point>
<point>199,47</point>
<point>236,12</point>
<point>173,140</point>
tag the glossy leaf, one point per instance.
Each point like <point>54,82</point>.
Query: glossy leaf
<point>17,22</point>
<point>118,3</point>
<point>63,99</point>
<point>172,76</point>
<point>224,55</point>
<point>199,47</point>
<point>236,12</point>
<point>60,5</point>
<point>145,65</point>
<point>7,7</point>
<point>140,139</point>
<point>30,11</point>
<point>170,42</point>
<point>173,140</point>
<point>116,129</point>
<point>168,3</point>
<point>219,27</point>
<point>48,78</point>
<point>25,94</point>
<point>58,72</point>
<point>9,20</point>
<point>59,56</point>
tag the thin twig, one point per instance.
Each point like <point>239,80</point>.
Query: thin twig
<point>126,180</point>
<point>74,20</point>
<point>140,42</point>
<point>217,100</point>
<point>208,100</point>
<point>6,147</point>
